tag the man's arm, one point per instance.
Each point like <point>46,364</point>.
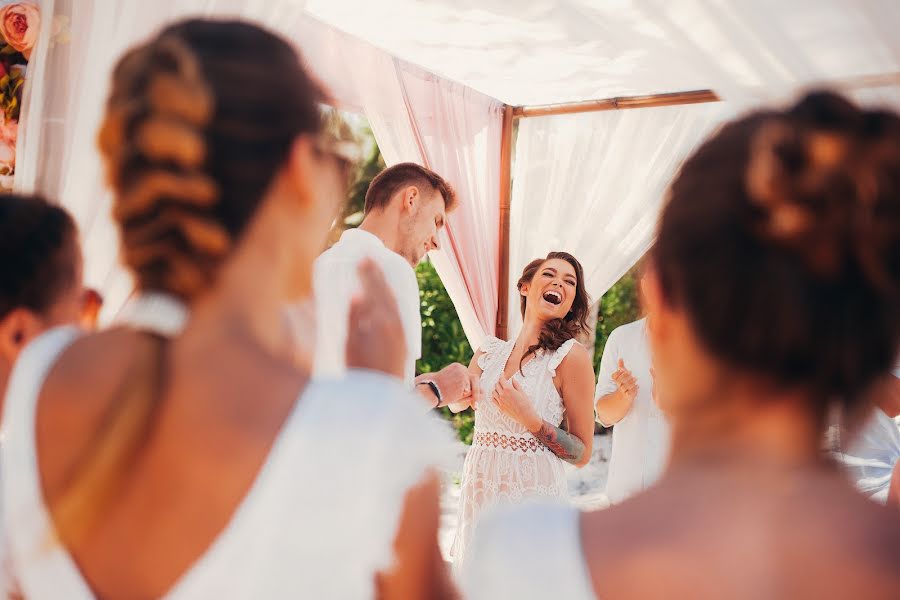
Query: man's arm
<point>612,408</point>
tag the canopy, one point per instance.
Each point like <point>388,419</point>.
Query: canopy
<point>559,123</point>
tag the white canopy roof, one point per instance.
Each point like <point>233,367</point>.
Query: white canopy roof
<point>543,52</point>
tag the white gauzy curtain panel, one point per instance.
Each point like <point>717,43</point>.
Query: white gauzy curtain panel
<point>592,184</point>
<point>446,126</point>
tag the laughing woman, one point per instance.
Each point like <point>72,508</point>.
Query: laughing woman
<point>537,413</point>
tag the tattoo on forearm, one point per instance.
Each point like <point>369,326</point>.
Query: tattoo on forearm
<point>563,444</point>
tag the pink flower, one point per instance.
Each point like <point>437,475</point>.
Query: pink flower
<point>20,23</point>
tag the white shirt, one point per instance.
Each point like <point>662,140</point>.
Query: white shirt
<point>335,283</point>
<point>640,443</point>
<point>871,454</point>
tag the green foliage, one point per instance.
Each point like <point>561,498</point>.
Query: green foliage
<point>618,306</point>
<point>443,339</point>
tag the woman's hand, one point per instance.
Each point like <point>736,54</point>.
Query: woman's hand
<point>512,401</point>
<point>375,338</point>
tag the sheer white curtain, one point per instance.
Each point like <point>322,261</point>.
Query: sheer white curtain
<point>592,184</point>
<point>458,134</point>
<point>448,127</point>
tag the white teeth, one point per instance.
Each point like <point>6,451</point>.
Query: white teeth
<point>553,296</point>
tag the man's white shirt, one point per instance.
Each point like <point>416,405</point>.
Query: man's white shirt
<point>640,444</point>
<point>336,282</point>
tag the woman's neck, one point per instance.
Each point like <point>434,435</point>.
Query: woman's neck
<point>746,424</point>
<point>529,334</point>
<point>251,289</point>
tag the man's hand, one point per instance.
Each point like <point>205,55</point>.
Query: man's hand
<point>625,381</point>
<point>375,334</point>
<point>457,385</point>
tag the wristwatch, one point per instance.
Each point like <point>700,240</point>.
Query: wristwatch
<point>435,389</point>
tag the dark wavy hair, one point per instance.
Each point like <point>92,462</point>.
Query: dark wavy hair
<point>780,241</point>
<point>558,331</point>
<point>38,243</point>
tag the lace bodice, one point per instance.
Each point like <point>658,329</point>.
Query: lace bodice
<point>536,378</point>
<point>319,521</point>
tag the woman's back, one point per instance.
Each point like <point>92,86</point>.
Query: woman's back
<point>237,492</point>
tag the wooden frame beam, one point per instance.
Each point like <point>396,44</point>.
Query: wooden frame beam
<point>618,103</point>
<point>506,144</point>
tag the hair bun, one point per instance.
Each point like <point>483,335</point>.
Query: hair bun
<point>819,175</point>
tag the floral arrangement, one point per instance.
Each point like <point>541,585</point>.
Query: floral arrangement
<point>20,23</point>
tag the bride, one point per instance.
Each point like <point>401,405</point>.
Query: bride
<point>540,413</point>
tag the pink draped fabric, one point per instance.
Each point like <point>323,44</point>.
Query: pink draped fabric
<point>419,117</point>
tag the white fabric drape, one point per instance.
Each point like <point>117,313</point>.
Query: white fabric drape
<point>592,184</point>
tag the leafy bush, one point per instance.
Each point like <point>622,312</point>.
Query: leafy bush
<point>618,306</point>
<point>443,339</point>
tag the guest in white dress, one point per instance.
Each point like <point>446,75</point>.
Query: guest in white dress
<point>774,288</point>
<point>181,454</point>
<point>40,288</point>
<point>40,274</point>
<point>539,415</point>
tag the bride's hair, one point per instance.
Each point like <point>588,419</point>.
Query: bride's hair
<point>558,331</point>
<point>780,241</point>
<point>199,120</point>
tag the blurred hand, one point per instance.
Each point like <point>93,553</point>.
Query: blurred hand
<point>512,402</point>
<point>625,381</point>
<point>375,338</point>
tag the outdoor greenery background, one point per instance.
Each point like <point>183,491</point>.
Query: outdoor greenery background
<point>443,339</point>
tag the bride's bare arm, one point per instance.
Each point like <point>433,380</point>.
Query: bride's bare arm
<point>575,377</point>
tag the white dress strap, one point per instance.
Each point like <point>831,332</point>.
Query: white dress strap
<point>559,355</point>
<point>42,567</point>
<point>532,551</point>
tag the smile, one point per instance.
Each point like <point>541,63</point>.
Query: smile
<point>553,297</point>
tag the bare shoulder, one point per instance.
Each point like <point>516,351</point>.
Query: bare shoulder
<point>820,527</point>
<point>578,359</point>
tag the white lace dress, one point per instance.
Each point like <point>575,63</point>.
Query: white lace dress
<point>506,464</point>
<point>314,524</point>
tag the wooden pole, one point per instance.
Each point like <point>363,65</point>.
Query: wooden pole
<point>506,142</point>
<point>653,100</point>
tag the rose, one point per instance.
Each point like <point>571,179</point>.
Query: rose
<point>19,25</point>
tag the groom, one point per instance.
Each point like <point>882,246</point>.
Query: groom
<point>406,207</point>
